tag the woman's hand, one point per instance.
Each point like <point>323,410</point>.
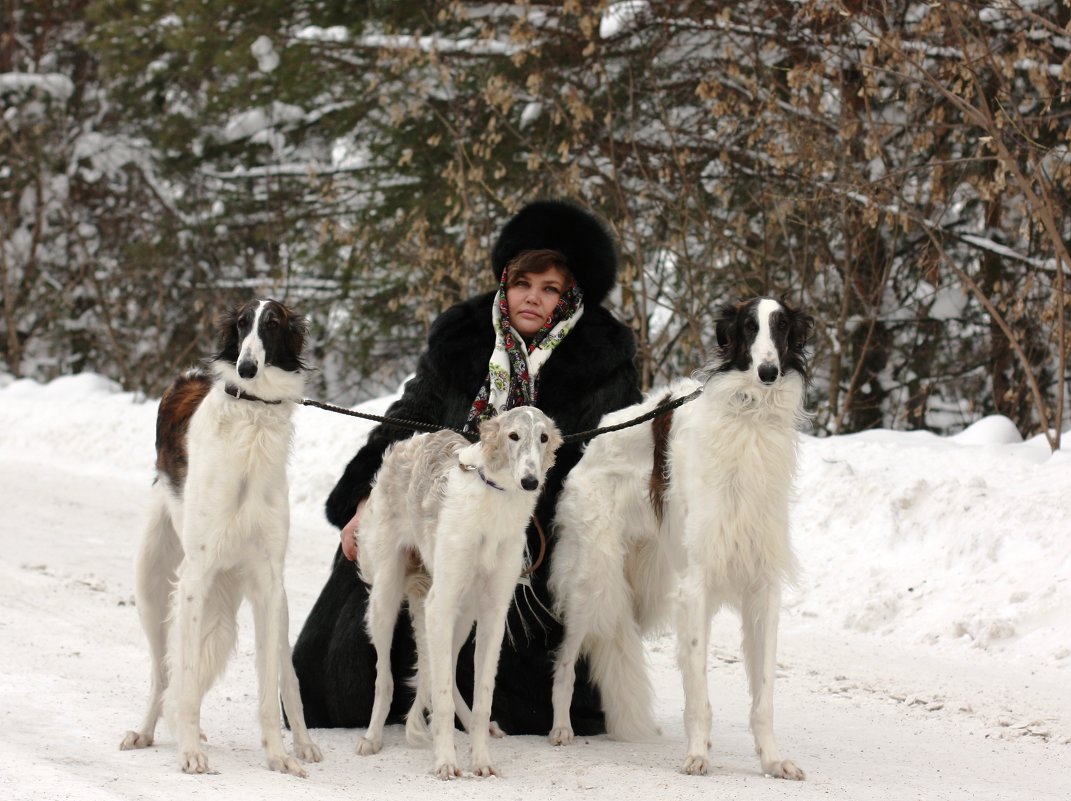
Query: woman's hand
<point>349,533</point>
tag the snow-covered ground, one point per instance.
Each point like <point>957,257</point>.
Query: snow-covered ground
<point>926,653</point>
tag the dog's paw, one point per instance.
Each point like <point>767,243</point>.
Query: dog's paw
<point>495,730</point>
<point>308,752</point>
<point>483,771</point>
<point>135,739</point>
<point>193,762</point>
<point>284,763</point>
<point>447,770</point>
<point>561,735</point>
<point>784,769</point>
<point>367,747</point>
<point>695,765</point>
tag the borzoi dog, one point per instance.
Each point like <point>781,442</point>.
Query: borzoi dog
<point>455,513</point>
<point>689,512</point>
<point>218,529</point>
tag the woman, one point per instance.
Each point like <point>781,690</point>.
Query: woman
<point>543,338</point>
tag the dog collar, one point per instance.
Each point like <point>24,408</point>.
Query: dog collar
<point>237,392</point>
<point>469,468</point>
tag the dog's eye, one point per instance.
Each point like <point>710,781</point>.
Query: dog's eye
<point>543,437</point>
<point>513,435</point>
<point>273,324</point>
<point>782,324</point>
<point>751,325</point>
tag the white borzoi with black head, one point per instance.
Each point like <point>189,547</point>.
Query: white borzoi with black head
<point>218,530</point>
<point>686,514</point>
<point>454,513</point>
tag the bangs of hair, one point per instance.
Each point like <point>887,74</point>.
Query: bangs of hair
<point>535,262</point>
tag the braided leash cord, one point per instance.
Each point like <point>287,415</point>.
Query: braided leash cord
<point>414,425</point>
<point>580,436</point>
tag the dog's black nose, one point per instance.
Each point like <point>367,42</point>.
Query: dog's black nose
<point>768,373</point>
<point>247,368</point>
<point>530,483</point>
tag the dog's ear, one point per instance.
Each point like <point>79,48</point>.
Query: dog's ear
<point>227,334</point>
<point>494,455</point>
<point>297,332</point>
<point>802,326</point>
<point>550,447</point>
<point>724,323</point>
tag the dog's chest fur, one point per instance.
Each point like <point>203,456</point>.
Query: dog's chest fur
<point>731,466</point>
<point>233,480</point>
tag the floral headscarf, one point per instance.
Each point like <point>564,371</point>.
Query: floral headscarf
<point>513,371</point>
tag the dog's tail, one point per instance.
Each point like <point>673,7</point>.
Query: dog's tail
<point>618,665</point>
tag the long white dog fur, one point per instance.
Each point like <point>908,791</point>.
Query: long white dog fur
<point>456,513</point>
<point>619,570</point>
<point>218,532</point>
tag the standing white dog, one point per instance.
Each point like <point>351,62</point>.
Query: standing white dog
<point>218,531</point>
<point>691,512</point>
<point>459,512</point>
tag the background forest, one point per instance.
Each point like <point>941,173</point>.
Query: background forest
<point>899,168</point>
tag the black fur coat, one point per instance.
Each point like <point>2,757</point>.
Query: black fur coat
<point>591,373</point>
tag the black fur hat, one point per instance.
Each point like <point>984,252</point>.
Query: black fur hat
<point>589,248</point>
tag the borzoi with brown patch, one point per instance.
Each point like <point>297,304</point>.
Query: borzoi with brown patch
<point>218,530</point>
<point>683,516</point>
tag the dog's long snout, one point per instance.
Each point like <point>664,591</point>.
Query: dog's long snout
<point>768,372</point>
<point>530,483</point>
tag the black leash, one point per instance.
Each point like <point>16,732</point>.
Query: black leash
<point>414,425</point>
<point>662,408</point>
<point>580,436</point>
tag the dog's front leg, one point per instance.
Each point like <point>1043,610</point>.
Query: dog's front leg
<point>561,731</point>
<point>490,627</point>
<point>304,748</point>
<point>440,617</point>
<point>760,611</point>
<point>693,632</point>
<point>269,606</point>
<point>189,685</point>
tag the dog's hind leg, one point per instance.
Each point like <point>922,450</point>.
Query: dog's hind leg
<point>461,708</point>
<point>759,614</point>
<point>384,600</point>
<point>158,561</point>
<point>416,725</point>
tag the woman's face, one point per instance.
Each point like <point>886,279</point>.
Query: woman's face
<point>532,299</point>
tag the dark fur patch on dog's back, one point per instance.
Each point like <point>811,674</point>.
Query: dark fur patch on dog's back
<point>659,483</point>
<point>179,402</point>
